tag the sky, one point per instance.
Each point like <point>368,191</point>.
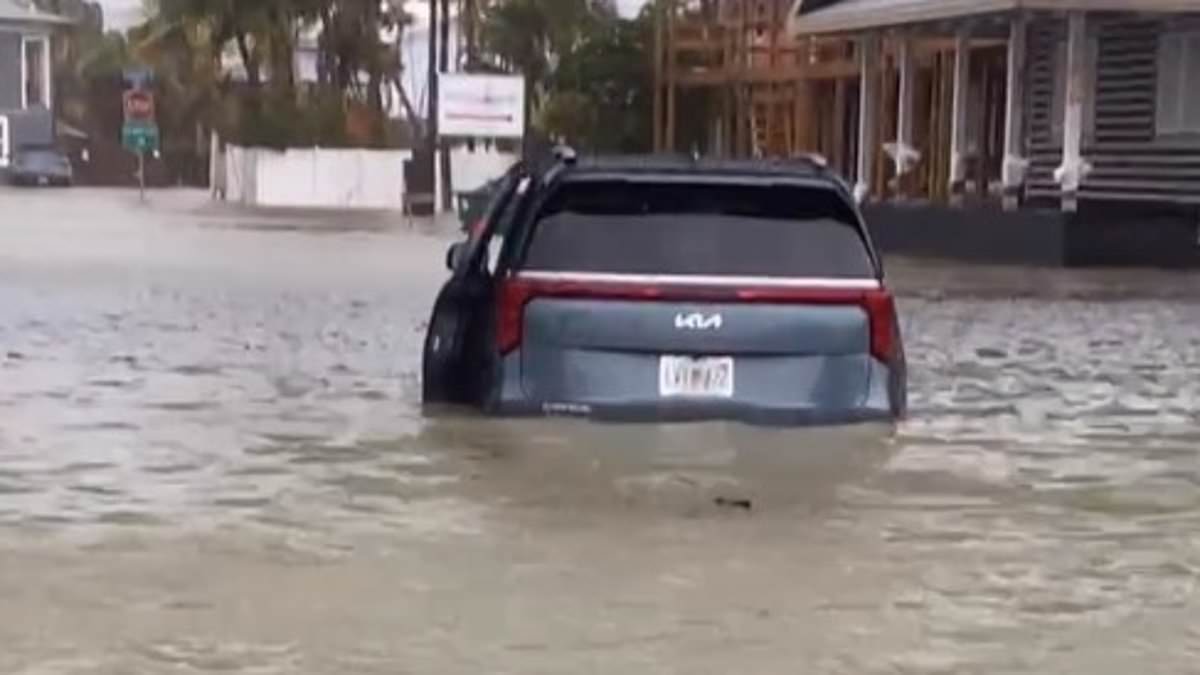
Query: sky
<point>121,14</point>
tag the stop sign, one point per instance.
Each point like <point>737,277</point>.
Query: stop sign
<point>139,106</point>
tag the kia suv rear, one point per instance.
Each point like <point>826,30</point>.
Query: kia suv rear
<point>670,290</point>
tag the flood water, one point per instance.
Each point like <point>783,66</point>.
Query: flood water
<point>212,460</point>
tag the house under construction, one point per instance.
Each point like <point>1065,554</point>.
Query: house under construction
<point>783,94</point>
<point>767,84</point>
<point>1001,130</point>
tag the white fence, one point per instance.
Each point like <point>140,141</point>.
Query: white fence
<point>314,178</point>
<point>337,179</point>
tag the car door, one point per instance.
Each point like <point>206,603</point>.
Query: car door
<point>457,351</point>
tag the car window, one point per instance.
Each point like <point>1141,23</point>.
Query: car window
<point>699,229</point>
<point>42,159</point>
<point>487,240</point>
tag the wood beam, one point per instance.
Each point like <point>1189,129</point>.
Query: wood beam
<point>868,111</point>
<point>905,155</point>
<point>660,48</point>
<point>958,117</point>
<point>669,139</point>
<point>925,46</point>
<point>838,149</point>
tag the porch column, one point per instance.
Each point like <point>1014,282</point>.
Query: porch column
<point>868,111</point>
<point>958,121</point>
<point>904,155</point>
<point>1015,163</point>
<point>1073,169</point>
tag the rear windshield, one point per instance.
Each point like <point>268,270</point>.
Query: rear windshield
<point>42,159</point>
<point>625,227</point>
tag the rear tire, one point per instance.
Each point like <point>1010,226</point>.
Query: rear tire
<point>441,382</point>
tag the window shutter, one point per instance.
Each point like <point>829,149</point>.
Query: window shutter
<point>1089,90</point>
<point>1170,83</point>
<point>1189,90</point>
<point>1058,99</point>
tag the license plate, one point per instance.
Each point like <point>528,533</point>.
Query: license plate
<point>42,180</point>
<point>688,377</point>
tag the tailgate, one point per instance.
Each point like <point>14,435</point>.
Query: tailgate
<point>620,351</point>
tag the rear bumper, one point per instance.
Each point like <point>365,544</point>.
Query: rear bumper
<point>644,413</point>
<point>883,400</point>
<point>30,179</point>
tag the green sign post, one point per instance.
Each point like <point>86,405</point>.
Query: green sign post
<point>140,138</point>
<point>140,133</point>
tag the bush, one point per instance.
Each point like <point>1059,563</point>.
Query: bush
<point>318,118</point>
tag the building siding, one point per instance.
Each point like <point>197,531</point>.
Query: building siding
<point>10,70</point>
<point>25,127</point>
<point>1130,162</point>
<point>30,127</point>
<point>1044,150</point>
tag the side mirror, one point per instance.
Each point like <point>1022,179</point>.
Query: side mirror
<point>455,254</point>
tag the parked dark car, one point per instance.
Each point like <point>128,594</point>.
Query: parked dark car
<point>670,290</point>
<point>41,166</point>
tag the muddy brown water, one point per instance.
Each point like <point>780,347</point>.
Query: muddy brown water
<point>212,460</point>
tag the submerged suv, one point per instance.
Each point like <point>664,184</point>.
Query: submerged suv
<point>663,289</point>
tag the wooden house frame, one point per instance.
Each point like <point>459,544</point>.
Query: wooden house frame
<point>1028,102</point>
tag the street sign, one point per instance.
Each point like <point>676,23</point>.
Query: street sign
<point>138,78</point>
<point>481,106</point>
<point>139,106</point>
<point>140,138</point>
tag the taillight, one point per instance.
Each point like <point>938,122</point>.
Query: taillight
<point>514,294</point>
<point>881,308</point>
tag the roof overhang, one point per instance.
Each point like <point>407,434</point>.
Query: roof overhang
<point>849,16</point>
<point>23,14</point>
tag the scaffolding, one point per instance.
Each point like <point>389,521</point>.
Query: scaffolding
<point>739,51</point>
<point>783,96</point>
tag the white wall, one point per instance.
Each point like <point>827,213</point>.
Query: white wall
<point>470,170</point>
<point>315,178</point>
<point>340,179</point>
<point>241,173</point>
<point>4,144</point>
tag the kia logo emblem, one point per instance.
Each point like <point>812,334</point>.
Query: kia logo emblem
<point>698,321</point>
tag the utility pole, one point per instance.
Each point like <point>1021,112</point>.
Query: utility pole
<point>469,19</point>
<point>444,62</point>
<point>431,126</point>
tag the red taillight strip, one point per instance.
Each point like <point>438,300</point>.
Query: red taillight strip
<point>701,280</point>
<point>517,291</point>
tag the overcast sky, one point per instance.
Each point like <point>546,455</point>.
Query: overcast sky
<point>121,14</point>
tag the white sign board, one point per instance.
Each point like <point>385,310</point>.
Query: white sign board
<point>481,106</point>
<point>4,142</point>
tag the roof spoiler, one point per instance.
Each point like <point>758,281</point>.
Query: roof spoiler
<point>565,154</point>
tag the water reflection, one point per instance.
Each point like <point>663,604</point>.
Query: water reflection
<point>689,469</point>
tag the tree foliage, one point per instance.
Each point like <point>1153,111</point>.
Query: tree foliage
<point>610,71</point>
<point>589,70</point>
<point>229,65</point>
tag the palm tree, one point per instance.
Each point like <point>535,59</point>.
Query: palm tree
<point>531,36</point>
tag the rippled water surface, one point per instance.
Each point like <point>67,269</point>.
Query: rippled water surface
<point>212,460</point>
